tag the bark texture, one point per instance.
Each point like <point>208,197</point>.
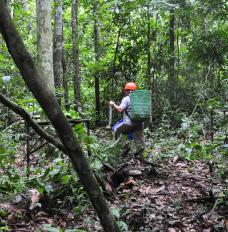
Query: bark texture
<point>44,41</point>
<point>49,103</point>
<point>172,79</point>
<point>58,44</point>
<point>76,77</point>
<point>148,76</point>
<point>65,82</point>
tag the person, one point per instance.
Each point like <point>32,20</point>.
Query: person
<point>126,125</point>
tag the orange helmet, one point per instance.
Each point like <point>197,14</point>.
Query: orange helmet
<point>130,86</point>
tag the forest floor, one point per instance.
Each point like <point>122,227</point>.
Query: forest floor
<point>177,195</point>
<point>169,194</point>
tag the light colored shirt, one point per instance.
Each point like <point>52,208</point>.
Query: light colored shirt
<point>126,105</point>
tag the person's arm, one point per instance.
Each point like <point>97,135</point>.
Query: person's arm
<point>118,108</point>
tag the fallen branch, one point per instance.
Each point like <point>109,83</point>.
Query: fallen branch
<point>36,127</point>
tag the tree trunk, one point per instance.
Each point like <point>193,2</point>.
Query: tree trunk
<point>44,41</point>
<point>49,104</point>
<point>58,46</point>
<point>97,57</point>
<point>65,82</point>
<point>114,60</point>
<point>172,80</point>
<point>76,77</point>
<point>156,71</point>
<point>148,73</point>
<point>10,7</point>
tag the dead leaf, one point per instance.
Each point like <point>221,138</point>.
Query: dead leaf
<point>35,197</point>
<point>147,190</point>
<point>135,172</point>
<point>171,230</point>
<point>207,230</point>
<point>159,217</point>
<point>152,216</point>
<point>130,182</point>
<point>9,208</point>
<point>108,187</point>
<point>180,165</point>
<point>12,219</point>
<point>50,221</point>
<point>175,158</point>
<point>156,190</point>
<point>62,223</point>
<point>41,214</point>
<point>226,224</point>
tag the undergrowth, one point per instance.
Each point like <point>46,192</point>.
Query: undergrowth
<point>52,174</point>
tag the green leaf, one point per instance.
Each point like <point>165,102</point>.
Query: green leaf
<point>77,210</point>
<point>66,179</point>
<point>122,225</point>
<point>116,212</point>
<point>49,228</point>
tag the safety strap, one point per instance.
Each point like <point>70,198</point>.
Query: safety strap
<point>127,113</point>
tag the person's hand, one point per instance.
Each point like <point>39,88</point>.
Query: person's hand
<point>111,103</point>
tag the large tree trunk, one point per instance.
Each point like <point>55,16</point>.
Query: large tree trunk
<point>97,57</point>
<point>58,45</point>
<point>44,41</point>
<point>49,103</point>
<point>76,77</point>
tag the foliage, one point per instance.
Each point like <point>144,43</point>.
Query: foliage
<point>10,180</point>
<point>193,128</point>
<point>192,141</point>
<point>117,213</point>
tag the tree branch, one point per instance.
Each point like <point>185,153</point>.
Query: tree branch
<point>36,127</point>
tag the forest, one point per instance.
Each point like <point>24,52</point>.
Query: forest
<point>65,65</point>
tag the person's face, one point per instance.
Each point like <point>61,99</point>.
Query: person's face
<point>126,92</point>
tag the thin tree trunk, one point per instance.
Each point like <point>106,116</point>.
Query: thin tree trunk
<point>58,47</point>
<point>115,58</point>
<point>49,103</point>
<point>148,73</point>
<point>172,81</point>
<point>155,64</point>
<point>76,77</point>
<point>45,42</point>
<point>97,57</point>
<point>65,82</point>
<point>178,41</point>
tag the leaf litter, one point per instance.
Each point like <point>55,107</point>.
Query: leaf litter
<point>166,195</point>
